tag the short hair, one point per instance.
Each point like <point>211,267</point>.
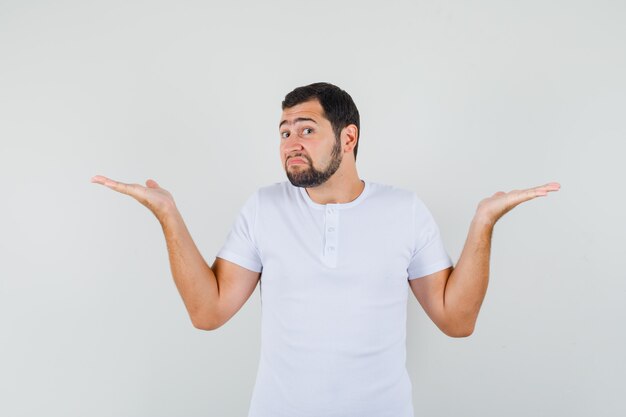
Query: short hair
<point>339,108</point>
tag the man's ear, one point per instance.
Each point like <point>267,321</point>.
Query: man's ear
<point>349,137</point>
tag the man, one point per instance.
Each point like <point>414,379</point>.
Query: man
<point>337,255</point>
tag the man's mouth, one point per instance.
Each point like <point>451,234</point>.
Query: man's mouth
<point>296,161</point>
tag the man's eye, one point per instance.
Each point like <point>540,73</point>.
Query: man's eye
<point>284,134</point>
<point>307,130</point>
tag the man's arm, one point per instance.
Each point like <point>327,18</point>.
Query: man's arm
<point>212,295</point>
<point>452,297</point>
<point>209,301</point>
<point>195,280</point>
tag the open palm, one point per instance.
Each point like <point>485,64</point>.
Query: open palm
<point>496,206</point>
<point>155,198</point>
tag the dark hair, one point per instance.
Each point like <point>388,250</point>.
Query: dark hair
<point>338,106</point>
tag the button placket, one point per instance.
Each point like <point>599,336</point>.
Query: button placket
<point>331,236</point>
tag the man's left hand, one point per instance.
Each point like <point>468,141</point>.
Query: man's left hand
<point>492,208</point>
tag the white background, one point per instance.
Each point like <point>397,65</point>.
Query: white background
<point>458,100</point>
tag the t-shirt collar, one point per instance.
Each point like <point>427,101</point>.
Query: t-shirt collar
<point>339,206</point>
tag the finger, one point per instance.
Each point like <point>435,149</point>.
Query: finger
<point>100,179</point>
<point>553,186</point>
<point>517,197</point>
<point>133,190</point>
<point>543,190</point>
<point>530,193</point>
<point>550,186</point>
<point>152,184</point>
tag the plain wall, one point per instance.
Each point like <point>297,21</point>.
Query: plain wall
<point>458,100</point>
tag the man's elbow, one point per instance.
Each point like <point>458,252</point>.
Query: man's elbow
<point>204,324</point>
<point>460,331</point>
<point>461,334</point>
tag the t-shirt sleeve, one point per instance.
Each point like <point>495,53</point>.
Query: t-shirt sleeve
<point>241,244</point>
<point>429,254</point>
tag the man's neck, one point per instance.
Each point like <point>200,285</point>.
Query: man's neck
<point>337,190</point>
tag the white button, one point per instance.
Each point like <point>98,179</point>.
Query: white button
<point>331,248</point>
<point>331,229</point>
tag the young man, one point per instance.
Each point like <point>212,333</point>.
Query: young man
<point>337,256</point>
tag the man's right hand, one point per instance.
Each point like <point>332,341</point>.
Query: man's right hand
<point>158,200</point>
<point>209,305</point>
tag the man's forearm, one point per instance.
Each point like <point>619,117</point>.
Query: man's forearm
<point>194,279</point>
<point>467,284</point>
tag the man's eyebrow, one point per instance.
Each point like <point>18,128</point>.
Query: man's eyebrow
<point>298,119</point>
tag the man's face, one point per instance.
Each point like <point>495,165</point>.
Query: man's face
<point>309,150</point>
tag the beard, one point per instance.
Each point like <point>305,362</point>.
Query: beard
<point>311,177</point>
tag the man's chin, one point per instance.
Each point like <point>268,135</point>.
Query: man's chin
<point>297,183</point>
<point>301,182</point>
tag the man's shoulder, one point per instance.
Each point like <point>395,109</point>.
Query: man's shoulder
<point>391,193</point>
<point>276,191</point>
<point>276,187</point>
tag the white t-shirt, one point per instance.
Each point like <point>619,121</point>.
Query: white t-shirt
<point>334,295</point>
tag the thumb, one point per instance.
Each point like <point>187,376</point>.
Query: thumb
<point>152,184</point>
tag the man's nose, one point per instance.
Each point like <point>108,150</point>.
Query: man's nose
<point>292,143</point>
